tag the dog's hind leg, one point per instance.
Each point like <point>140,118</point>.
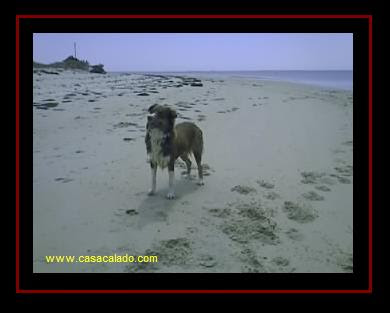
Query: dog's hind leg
<point>188,163</point>
<point>153,168</point>
<point>198,159</point>
<point>197,150</point>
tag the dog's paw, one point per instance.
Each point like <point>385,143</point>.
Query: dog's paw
<point>171,195</point>
<point>148,158</point>
<point>151,192</point>
<point>200,183</point>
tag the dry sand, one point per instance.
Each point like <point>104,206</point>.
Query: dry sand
<point>278,176</point>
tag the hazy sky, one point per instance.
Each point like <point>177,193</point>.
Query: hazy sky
<point>197,52</point>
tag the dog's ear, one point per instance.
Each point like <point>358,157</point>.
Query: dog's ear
<point>153,108</point>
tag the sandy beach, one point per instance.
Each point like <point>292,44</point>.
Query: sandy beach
<point>278,173</point>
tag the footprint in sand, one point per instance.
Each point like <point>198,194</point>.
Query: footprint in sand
<point>322,188</point>
<point>125,124</point>
<point>280,261</point>
<point>206,260</point>
<point>316,178</point>
<point>345,261</point>
<point>346,170</point>
<point>201,117</point>
<point>128,139</point>
<point>294,234</point>
<point>311,177</point>
<point>172,252</point>
<point>192,230</point>
<point>300,212</point>
<point>338,151</point>
<point>327,181</point>
<point>252,222</point>
<point>63,180</point>
<point>313,196</point>
<point>207,169</point>
<point>341,179</point>
<point>244,190</point>
<point>184,105</point>
<point>348,143</point>
<point>46,106</point>
<point>272,195</point>
<point>131,212</point>
<point>254,210</point>
<point>264,184</point>
<point>219,212</point>
<point>253,264</point>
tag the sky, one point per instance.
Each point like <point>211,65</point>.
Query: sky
<point>200,52</point>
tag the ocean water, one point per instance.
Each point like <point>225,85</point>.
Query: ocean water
<point>331,79</point>
<point>328,79</point>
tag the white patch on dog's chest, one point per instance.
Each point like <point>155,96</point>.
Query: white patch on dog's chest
<point>157,138</point>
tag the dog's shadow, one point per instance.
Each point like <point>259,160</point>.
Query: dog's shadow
<point>156,208</point>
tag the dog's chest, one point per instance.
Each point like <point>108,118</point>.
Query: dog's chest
<point>160,147</point>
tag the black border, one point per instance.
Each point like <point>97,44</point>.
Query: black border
<point>358,280</point>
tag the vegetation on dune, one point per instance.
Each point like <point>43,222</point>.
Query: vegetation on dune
<point>72,63</point>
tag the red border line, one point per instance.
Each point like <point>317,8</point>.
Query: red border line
<point>250,291</point>
<point>17,154</point>
<point>370,152</point>
<point>29,16</point>
<point>194,16</point>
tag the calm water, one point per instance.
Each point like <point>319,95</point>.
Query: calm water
<point>328,79</point>
<point>333,79</point>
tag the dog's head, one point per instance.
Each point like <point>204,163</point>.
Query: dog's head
<point>163,118</point>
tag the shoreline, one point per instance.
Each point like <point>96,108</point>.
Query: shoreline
<point>345,84</point>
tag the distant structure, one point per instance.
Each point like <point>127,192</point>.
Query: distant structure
<point>97,69</point>
<point>72,63</point>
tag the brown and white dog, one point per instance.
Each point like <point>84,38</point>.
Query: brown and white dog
<point>165,142</point>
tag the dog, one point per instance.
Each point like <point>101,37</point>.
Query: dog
<point>165,142</point>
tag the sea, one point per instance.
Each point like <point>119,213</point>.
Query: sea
<point>337,79</point>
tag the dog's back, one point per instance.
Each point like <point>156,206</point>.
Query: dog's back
<point>188,139</point>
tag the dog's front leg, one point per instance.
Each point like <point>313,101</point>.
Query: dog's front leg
<point>171,171</point>
<point>153,168</point>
